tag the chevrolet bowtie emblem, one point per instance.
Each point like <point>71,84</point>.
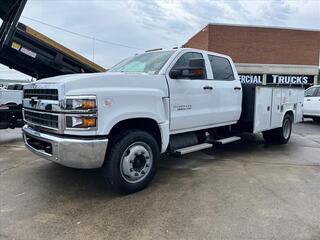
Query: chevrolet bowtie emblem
<point>33,101</point>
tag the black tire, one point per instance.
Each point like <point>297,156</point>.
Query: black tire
<point>119,150</point>
<point>316,119</point>
<point>280,135</point>
<point>268,136</point>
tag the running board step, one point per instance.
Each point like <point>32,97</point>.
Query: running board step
<point>194,148</point>
<point>228,140</point>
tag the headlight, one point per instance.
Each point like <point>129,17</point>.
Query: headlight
<point>81,112</point>
<point>81,121</point>
<point>81,103</point>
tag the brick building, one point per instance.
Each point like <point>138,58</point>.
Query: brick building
<point>265,55</point>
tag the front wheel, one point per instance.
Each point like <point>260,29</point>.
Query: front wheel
<point>280,135</point>
<point>131,161</point>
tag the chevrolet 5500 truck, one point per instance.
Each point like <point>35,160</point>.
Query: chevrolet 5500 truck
<point>168,101</point>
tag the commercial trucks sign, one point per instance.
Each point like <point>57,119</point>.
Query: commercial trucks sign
<point>278,79</point>
<point>251,78</point>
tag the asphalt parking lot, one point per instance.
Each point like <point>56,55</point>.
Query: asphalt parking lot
<point>241,191</point>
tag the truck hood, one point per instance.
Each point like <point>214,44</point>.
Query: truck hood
<point>79,84</point>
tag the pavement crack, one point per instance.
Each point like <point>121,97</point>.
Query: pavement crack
<point>18,165</point>
<point>10,168</point>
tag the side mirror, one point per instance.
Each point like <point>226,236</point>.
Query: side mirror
<point>175,73</point>
<point>195,70</point>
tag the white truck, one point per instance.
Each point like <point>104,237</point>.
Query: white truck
<point>11,106</point>
<point>311,107</point>
<point>167,101</point>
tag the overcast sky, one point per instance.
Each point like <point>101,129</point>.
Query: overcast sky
<point>148,24</point>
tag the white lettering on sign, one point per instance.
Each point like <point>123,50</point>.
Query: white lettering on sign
<point>289,79</point>
<point>251,79</point>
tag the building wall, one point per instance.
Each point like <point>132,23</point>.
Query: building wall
<point>200,40</point>
<point>260,44</point>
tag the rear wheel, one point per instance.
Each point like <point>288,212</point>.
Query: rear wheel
<point>268,136</point>
<point>280,135</point>
<point>316,119</point>
<point>131,162</point>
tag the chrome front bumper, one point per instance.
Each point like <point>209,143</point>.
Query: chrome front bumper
<point>68,151</point>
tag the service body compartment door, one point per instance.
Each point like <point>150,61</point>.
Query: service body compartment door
<point>276,113</point>
<point>272,103</point>
<point>262,111</point>
<point>289,97</point>
<point>299,109</point>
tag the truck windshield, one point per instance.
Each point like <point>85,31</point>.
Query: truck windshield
<point>147,62</point>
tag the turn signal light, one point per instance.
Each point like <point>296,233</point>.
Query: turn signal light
<point>88,104</point>
<point>89,122</point>
<point>81,122</point>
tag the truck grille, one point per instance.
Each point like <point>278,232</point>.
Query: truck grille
<point>42,119</point>
<point>48,94</point>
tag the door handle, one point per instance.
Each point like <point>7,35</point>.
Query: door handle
<point>237,88</point>
<point>308,100</point>
<point>207,88</point>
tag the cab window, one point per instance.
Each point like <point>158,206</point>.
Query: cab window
<point>183,61</point>
<point>221,68</point>
<point>311,92</point>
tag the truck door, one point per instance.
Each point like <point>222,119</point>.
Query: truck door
<point>311,101</point>
<point>317,102</point>
<point>190,99</point>
<point>226,96</point>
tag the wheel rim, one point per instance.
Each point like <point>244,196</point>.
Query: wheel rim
<point>286,129</point>
<point>136,162</point>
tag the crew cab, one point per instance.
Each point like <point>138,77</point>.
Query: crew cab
<point>311,107</point>
<point>167,101</point>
